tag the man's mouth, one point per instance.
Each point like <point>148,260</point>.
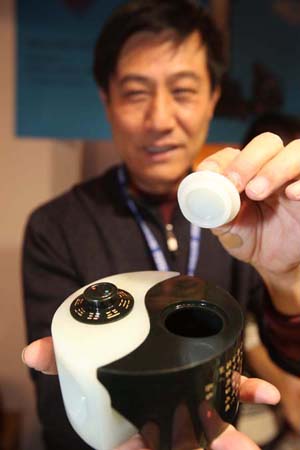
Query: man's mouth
<point>160,148</point>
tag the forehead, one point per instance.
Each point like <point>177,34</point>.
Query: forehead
<point>162,55</point>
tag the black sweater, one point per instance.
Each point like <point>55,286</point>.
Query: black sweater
<point>86,234</point>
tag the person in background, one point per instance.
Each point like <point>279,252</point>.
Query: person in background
<point>158,66</point>
<point>287,126</point>
<point>258,360</point>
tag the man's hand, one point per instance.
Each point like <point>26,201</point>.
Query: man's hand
<point>266,232</point>
<point>39,355</point>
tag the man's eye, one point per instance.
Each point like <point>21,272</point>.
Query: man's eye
<point>135,94</point>
<point>184,92</point>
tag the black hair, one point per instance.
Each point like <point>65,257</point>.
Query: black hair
<point>182,17</point>
<point>285,125</point>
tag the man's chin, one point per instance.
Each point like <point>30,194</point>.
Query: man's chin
<point>163,183</point>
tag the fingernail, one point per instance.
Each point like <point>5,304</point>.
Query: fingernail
<point>26,362</point>
<point>23,355</point>
<point>235,178</point>
<point>258,186</point>
<point>209,165</point>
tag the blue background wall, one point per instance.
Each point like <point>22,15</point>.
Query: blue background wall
<point>57,97</point>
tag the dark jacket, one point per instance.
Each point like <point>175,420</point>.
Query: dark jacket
<point>89,233</point>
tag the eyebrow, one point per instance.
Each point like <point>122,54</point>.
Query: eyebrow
<point>147,81</point>
<point>135,78</point>
<point>185,74</point>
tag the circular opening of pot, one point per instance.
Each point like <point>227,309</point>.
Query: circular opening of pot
<point>193,321</point>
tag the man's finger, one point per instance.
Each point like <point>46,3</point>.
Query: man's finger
<point>218,161</point>
<point>231,439</point>
<point>220,434</point>
<point>39,355</point>
<point>254,390</point>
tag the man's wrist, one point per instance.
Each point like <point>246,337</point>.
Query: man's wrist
<point>280,334</point>
<point>284,290</point>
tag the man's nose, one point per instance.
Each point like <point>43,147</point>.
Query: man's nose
<point>160,114</point>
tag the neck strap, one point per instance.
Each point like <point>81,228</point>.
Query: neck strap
<point>154,247</point>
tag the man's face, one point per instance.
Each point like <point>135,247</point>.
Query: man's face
<point>160,105</point>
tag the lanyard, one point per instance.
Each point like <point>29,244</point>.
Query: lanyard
<point>154,247</point>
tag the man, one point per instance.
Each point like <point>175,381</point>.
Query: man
<point>158,64</point>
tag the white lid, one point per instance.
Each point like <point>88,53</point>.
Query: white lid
<point>208,199</point>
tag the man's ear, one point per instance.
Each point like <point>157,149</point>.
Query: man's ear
<point>103,97</point>
<point>215,97</point>
<point>105,101</point>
